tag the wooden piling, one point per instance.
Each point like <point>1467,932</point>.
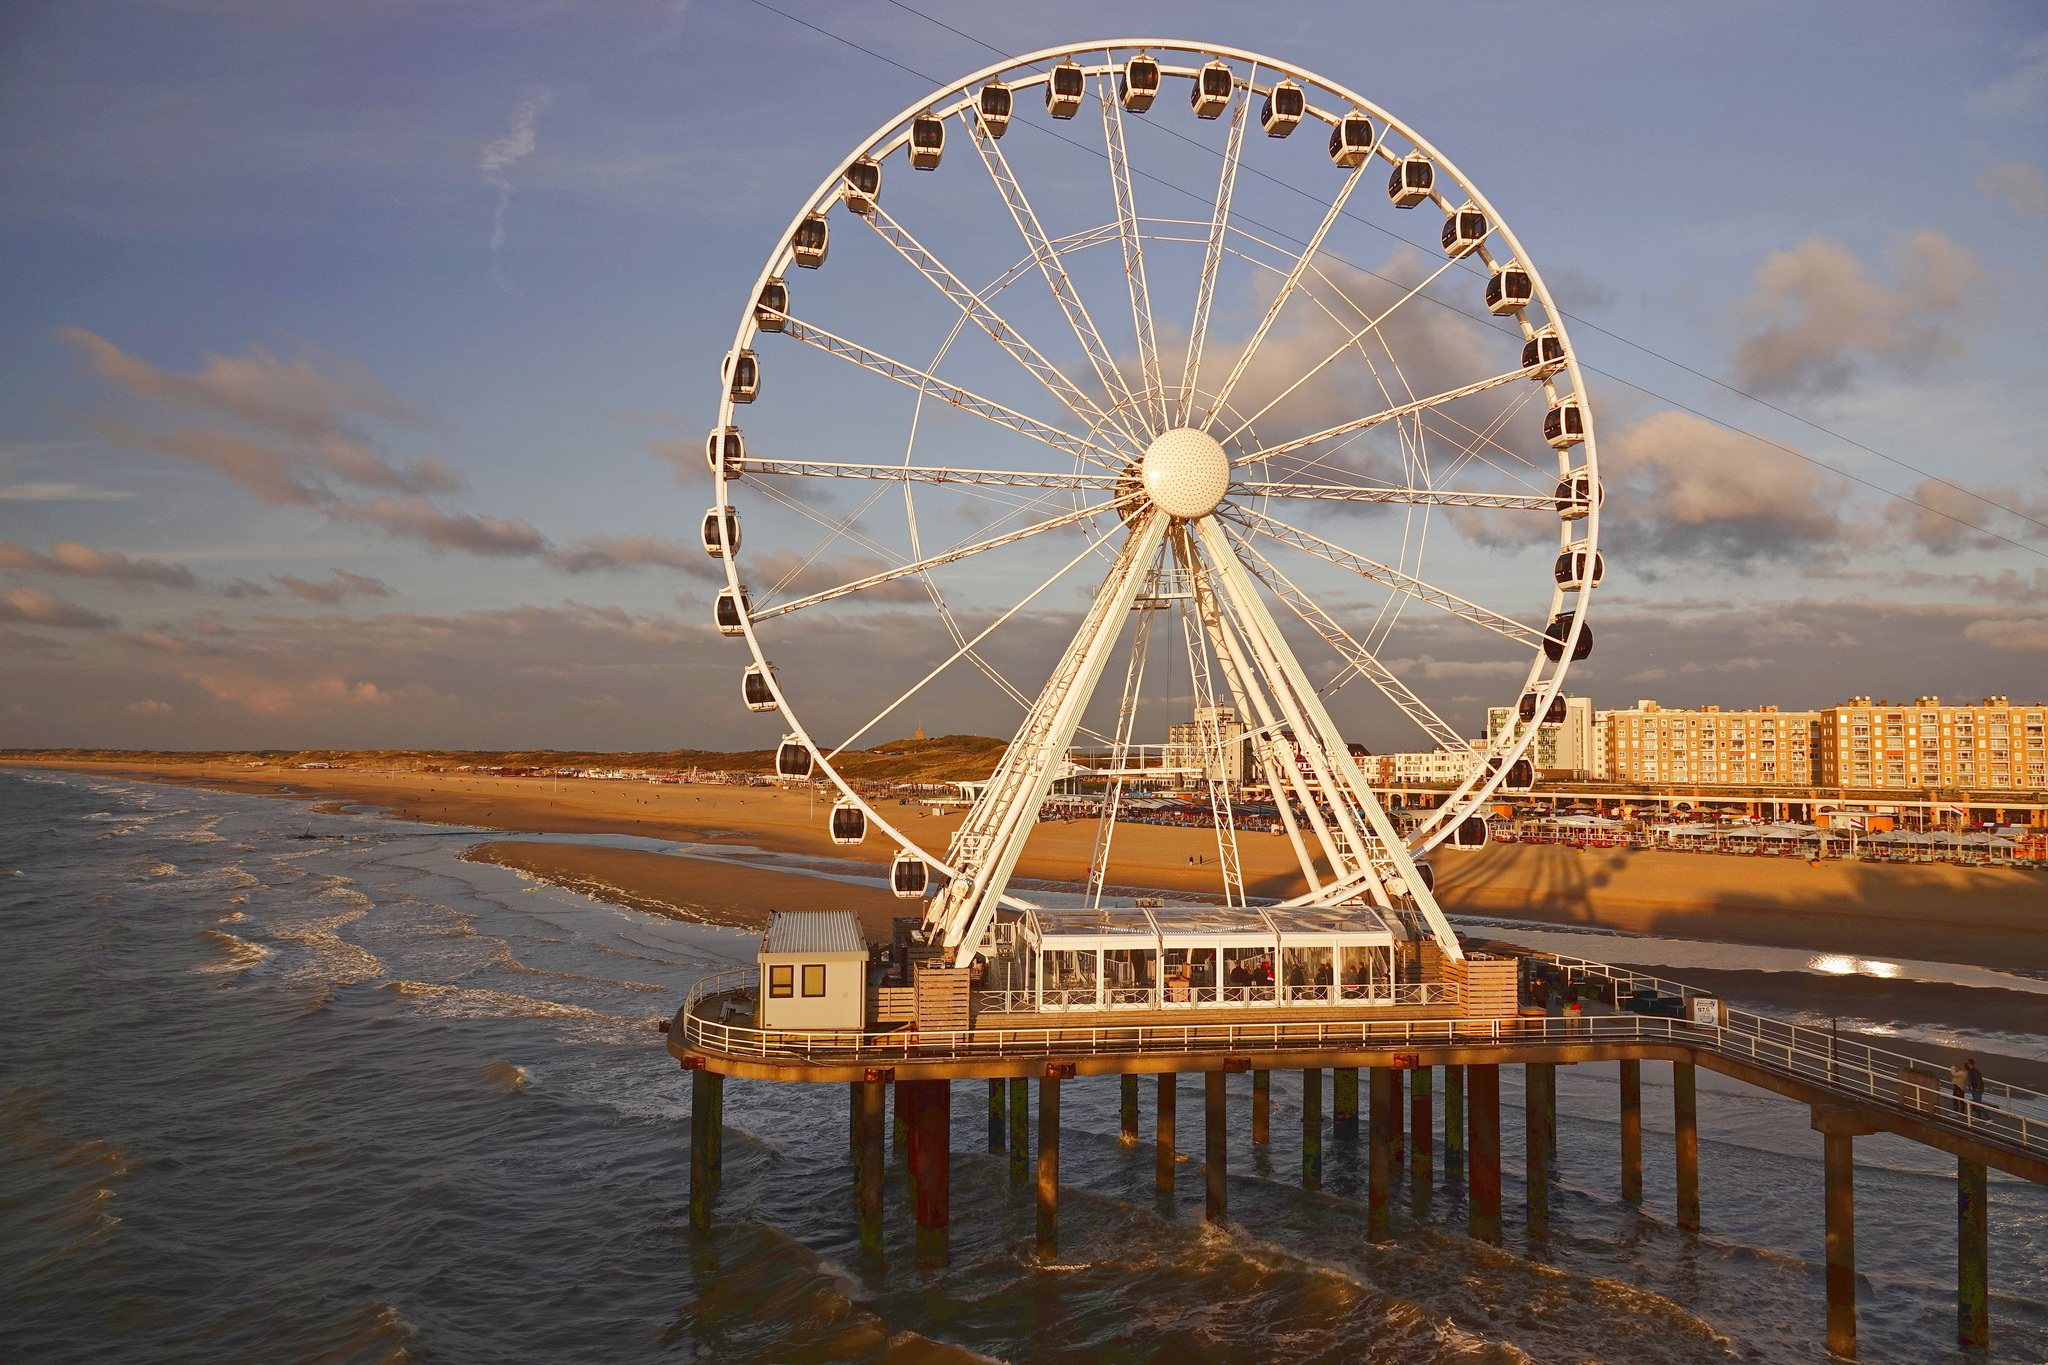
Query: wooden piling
<point>998,1117</point>
<point>707,1102</point>
<point>1215,1146</point>
<point>1631,1132</point>
<point>1127,1133</point>
<point>1048,1168</point>
<point>1344,1103</point>
<point>1421,1137</point>
<point>1482,1090</point>
<point>873,1116</point>
<point>1973,1229</point>
<point>1540,1114</point>
<point>1385,1097</point>
<point>931,1165</point>
<point>1163,1138</point>
<point>1454,1126</point>
<point>1262,1107</point>
<point>1312,1130</point>
<point>1685,1124</point>
<point>1020,1127</point>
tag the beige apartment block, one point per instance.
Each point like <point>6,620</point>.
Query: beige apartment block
<point>1987,745</point>
<point>1764,747</point>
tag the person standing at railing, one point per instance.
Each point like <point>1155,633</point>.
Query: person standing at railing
<point>1958,1079</point>
<point>1974,1080</point>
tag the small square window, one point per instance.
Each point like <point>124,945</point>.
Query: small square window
<point>814,979</point>
<point>781,982</point>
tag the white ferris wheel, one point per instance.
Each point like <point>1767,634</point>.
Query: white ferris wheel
<point>1038,379</point>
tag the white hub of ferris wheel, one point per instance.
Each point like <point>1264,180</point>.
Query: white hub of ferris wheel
<point>1165,468</point>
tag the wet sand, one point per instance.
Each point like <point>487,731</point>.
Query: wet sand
<point>1994,917</point>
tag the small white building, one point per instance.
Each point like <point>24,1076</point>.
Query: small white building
<point>814,966</point>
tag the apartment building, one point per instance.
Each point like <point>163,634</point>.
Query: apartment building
<point>1567,746</point>
<point>1214,741</point>
<point>1885,744</point>
<point>1763,747</point>
<point>1433,767</point>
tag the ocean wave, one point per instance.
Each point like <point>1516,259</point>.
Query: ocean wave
<point>471,1002</point>
<point>332,958</point>
<point>241,954</point>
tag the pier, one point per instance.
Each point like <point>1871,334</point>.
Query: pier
<point>1851,1088</point>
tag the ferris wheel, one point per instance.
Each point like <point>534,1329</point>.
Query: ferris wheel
<point>1124,412</point>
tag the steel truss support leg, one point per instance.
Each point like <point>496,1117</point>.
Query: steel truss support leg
<point>1482,1086</point>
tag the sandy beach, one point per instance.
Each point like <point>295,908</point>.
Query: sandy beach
<point>1984,916</point>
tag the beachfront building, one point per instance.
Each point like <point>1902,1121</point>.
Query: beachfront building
<point>1566,748</point>
<point>1763,747</point>
<point>1989,744</point>
<point>814,969</point>
<point>1427,768</point>
<point>1213,744</point>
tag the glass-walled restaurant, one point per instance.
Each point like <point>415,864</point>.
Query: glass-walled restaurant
<point>1121,957</point>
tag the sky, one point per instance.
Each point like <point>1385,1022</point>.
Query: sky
<point>356,356</point>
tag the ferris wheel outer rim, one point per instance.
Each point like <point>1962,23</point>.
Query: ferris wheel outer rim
<point>1493,768</point>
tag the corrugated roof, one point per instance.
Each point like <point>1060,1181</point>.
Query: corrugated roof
<point>813,931</point>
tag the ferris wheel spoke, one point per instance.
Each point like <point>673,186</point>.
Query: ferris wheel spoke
<point>1356,656</point>
<point>875,580</point>
<point>1063,441</point>
<point>1385,415</point>
<point>1371,328</point>
<point>1219,226</point>
<point>1419,497</point>
<point>1287,288</point>
<point>897,473</point>
<point>1506,626</point>
<point>1047,255</point>
<point>999,330</point>
<point>1134,253</point>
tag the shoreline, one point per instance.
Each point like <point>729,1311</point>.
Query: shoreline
<point>1988,917</point>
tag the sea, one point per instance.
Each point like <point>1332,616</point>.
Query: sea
<point>281,1085</point>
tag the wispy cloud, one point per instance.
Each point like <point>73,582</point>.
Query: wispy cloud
<point>2024,92</point>
<point>57,491</point>
<point>499,157</point>
<point>2020,185</point>
<point>83,561</point>
<point>34,607</point>
<point>340,585</point>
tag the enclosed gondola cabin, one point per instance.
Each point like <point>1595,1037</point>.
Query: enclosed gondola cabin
<point>729,613</point>
<point>1471,833</point>
<point>1571,569</point>
<point>1543,354</point>
<point>927,142</point>
<point>1212,89</point>
<point>726,452</point>
<point>1412,181</point>
<point>1137,85</point>
<point>1576,496</point>
<point>721,532</point>
<point>1509,290</point>
<point>1063,87</point>
<point>849,823</point>
<point>1351,140</point>
<point>742,376</point>
<point>1565,424</point>
<point>862,187</point>
<point>792,758</point>
<point>1426,872</point>
<point>1559,631</point>
<point>1552,715</point>
<point>1282,111</point>
<point>1464,231</point>
<point>771,305</point>
<point>809,243</point>
<point>908,876</point>
<point>993,104</point>
<point>755,689</point>
<point>1521,775</point>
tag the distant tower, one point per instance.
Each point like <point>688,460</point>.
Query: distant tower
<point>918,735</point>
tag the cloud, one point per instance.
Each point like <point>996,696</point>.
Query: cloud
<point>2020,185</point>
<point>82,561</point>
<point>2024,92</point>
<point>2024,633</point>
<point>34,607</point>
<point>57,491</point>
<point>1948,514</point>
<point>1822,318</point>
<point>1457,668</point>
<point>626,552</point>
<point>150,708</point>
<point>420,520</point>
<point>341,585</point>
<point>785,573</point>
<point>684,457</point>
<point>500,156</point>
<point>1682,487</point>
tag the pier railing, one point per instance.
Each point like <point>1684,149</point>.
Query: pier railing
<point>2006,1114</point>
<point>1189,997</point>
